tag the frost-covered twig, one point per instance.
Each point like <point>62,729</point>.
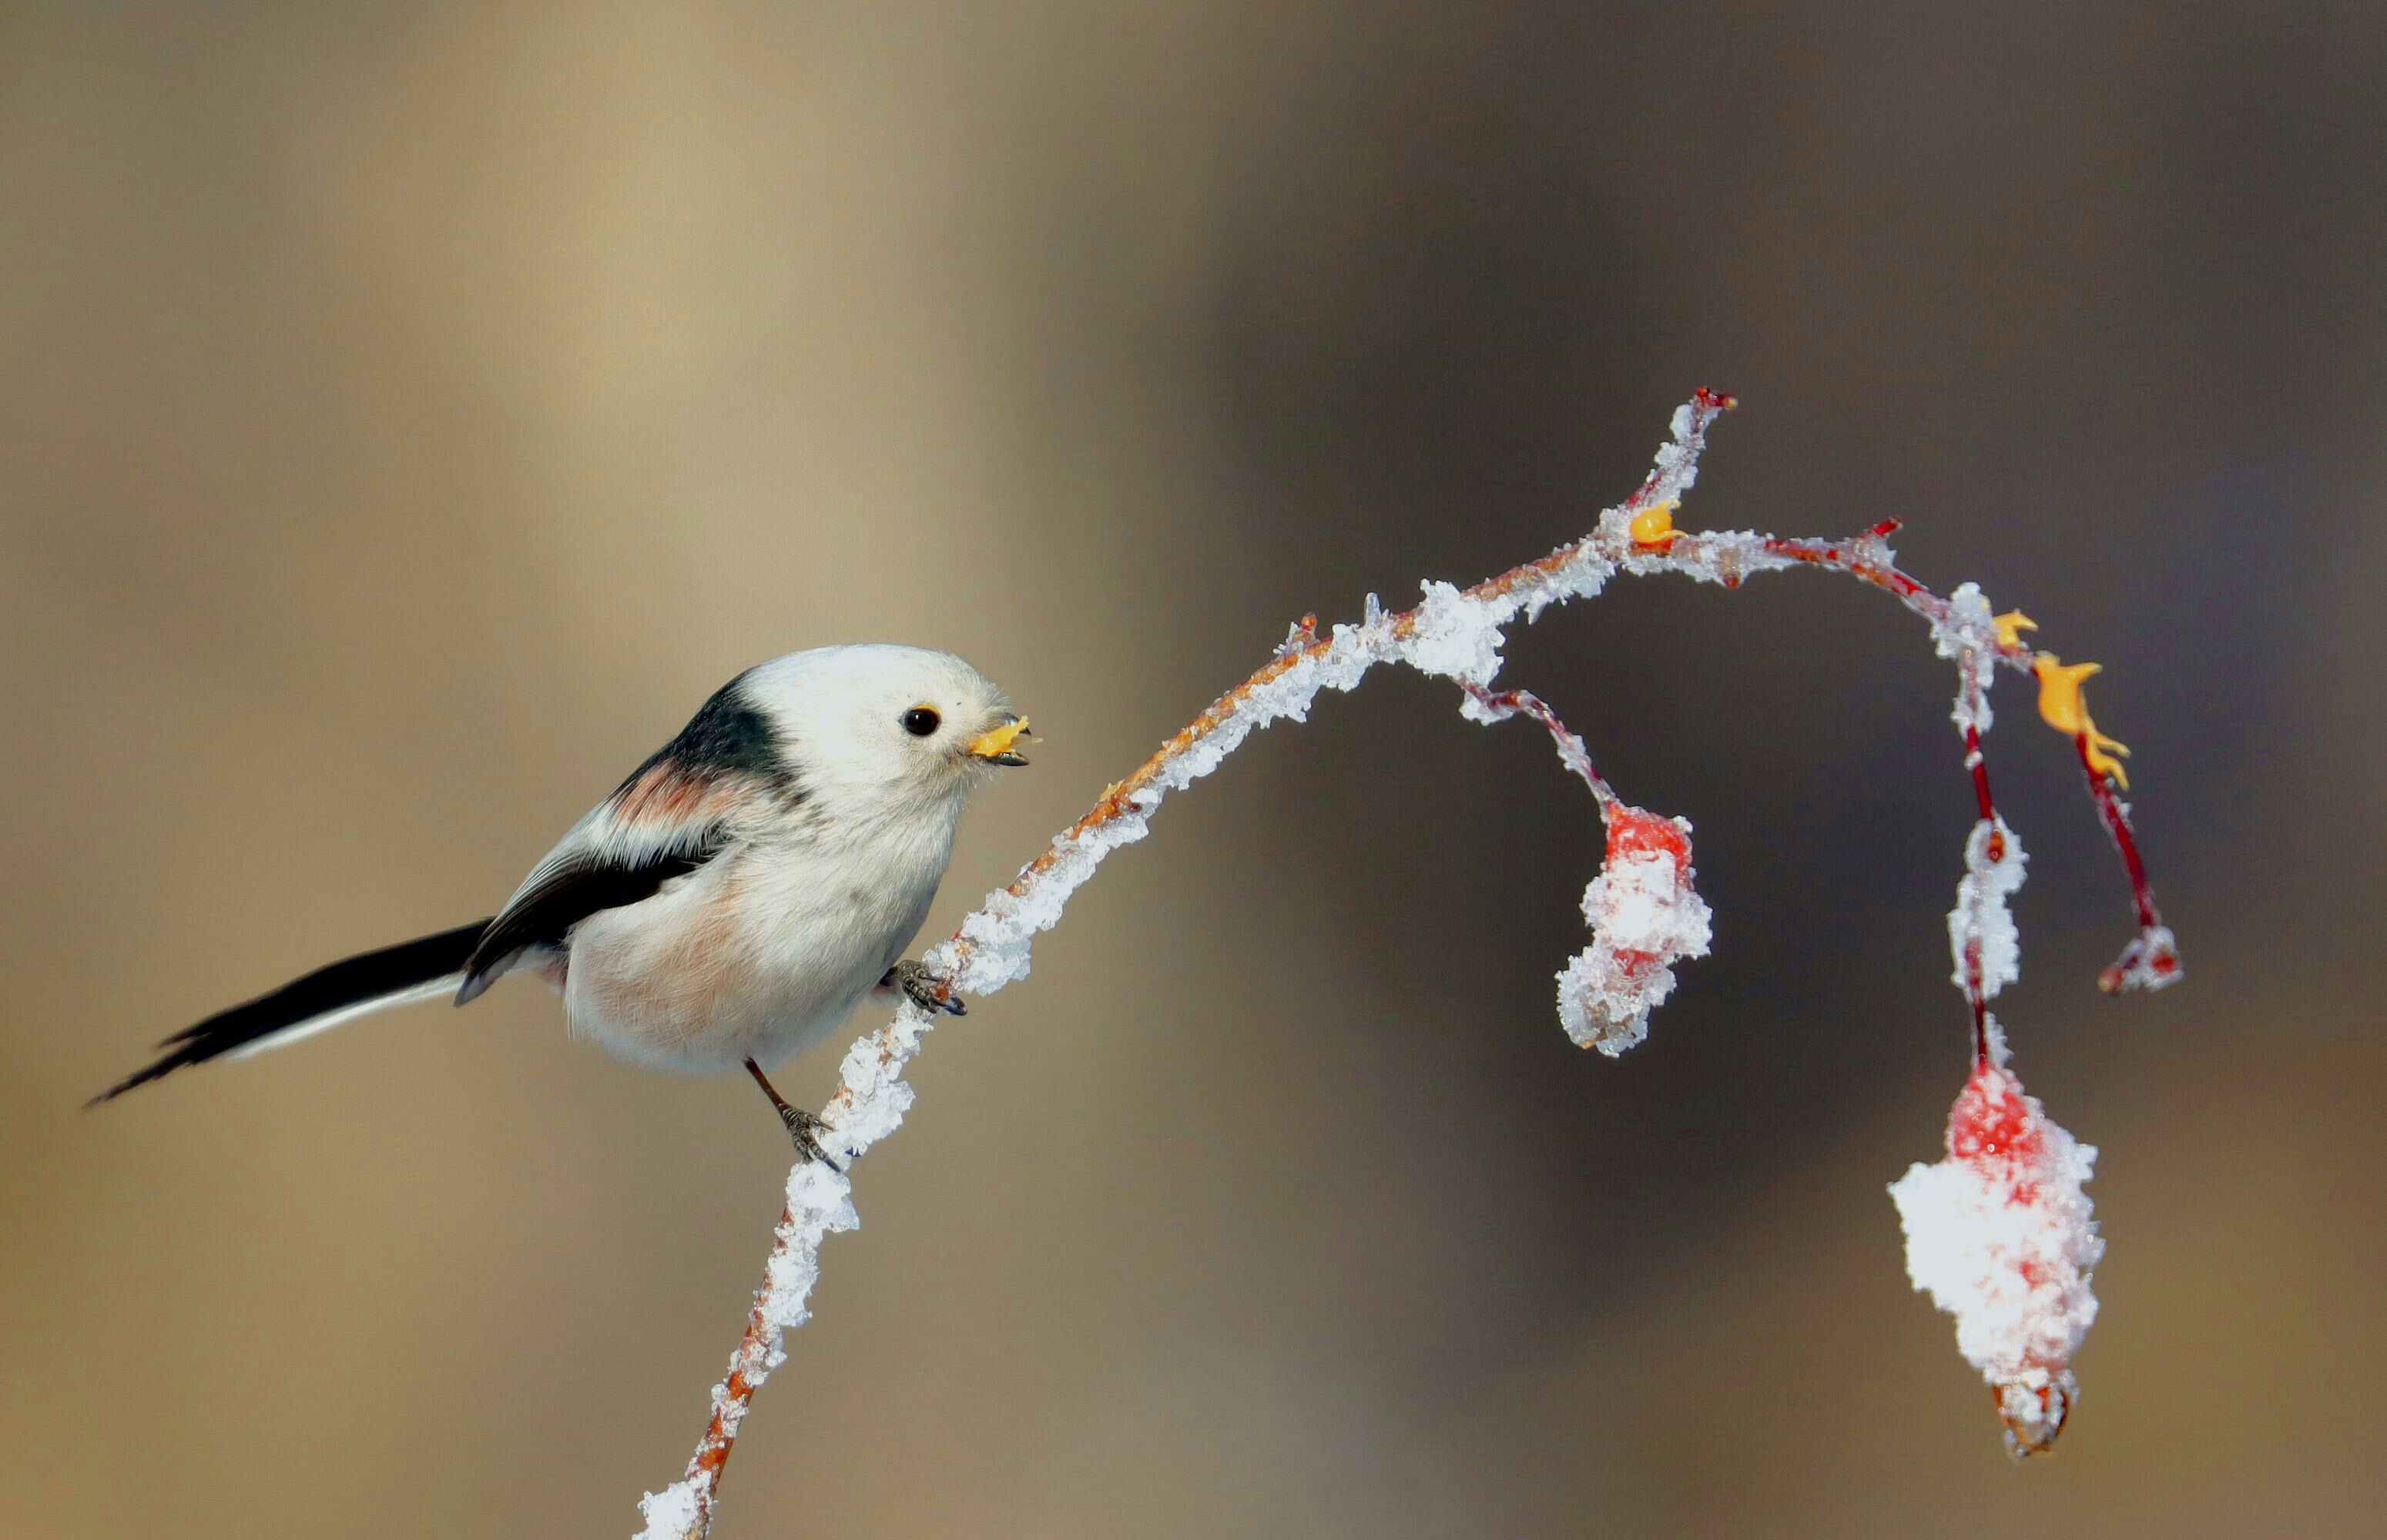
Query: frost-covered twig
<point>1644,914</point>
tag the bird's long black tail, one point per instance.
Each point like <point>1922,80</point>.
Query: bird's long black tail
<point>397,975</point>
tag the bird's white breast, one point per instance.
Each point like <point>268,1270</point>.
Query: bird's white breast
<point>759,953</point>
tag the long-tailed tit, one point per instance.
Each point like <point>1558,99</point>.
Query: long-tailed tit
<point>734,900</point>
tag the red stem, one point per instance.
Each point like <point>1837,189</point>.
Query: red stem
<point>2117,825</point>
<point>1978,762</point>
<point>1571,750</point>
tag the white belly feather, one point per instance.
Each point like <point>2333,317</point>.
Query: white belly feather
<point>759,953</point>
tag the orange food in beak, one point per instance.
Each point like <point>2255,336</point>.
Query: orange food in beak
<point>995,744</point>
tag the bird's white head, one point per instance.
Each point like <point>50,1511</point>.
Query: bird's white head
<point>879,729</point>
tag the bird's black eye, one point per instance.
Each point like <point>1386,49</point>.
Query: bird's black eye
<point>920,721</point>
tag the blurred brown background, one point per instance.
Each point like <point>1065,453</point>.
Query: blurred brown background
<point>408,413</point>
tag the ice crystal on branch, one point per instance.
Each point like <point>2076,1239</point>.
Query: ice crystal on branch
<point>1644,918</point>
<point>1999,1235</point>
<point>1967,635</point>
<point>1998,1231</point>
<point>2150,961</point>
<point>1644,914</point>
<point>1981,928</point>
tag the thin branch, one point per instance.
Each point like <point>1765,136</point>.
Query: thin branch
<point>1455,633</point>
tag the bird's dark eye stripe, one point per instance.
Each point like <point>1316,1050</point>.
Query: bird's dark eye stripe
<point>920,721</point>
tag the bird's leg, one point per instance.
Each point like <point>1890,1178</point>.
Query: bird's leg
<point>922,987</point>
<point>802,1126</point>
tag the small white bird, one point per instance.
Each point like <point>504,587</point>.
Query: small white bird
<point>734,900</point>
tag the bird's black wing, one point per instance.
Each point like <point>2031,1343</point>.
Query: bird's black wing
<point>580,879</point>
<point>673,813</point>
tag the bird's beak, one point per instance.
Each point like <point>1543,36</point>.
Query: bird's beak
<point>995,744</point>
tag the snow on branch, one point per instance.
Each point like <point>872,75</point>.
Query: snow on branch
<point>1999,1232</point>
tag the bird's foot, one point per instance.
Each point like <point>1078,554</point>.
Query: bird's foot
<point>923,988</point>
<point>807,1130</point>
<point>802,1126</point>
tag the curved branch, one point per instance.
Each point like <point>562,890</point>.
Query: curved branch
<point>1454,633</point>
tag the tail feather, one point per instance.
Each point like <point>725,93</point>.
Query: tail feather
<point>397,975</point>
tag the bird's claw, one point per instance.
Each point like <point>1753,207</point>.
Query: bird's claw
<point>806,1130</point>
<point>924,989</point>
